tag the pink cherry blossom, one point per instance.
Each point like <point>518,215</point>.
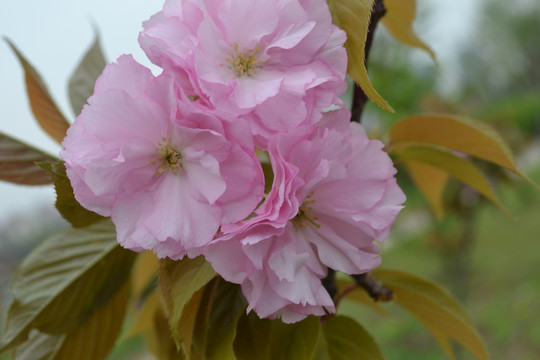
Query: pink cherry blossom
<point>333,194</point>
<point>168,173</point>
<point>270,61</point>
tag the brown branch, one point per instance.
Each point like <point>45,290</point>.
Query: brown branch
<point>359,97</point>
<point>329,283</point>
<point>374,288</point>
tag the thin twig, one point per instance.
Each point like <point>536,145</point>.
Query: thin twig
<point>343,293</point>
<point>359,97</point>
<point>374,288</point>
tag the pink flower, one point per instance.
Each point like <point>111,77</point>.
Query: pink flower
<point>167,172</point>
<point>333,194</point>
<point>273,62</point>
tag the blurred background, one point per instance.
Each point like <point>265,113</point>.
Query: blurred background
<point>488,67</point>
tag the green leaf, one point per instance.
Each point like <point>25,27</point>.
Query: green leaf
<point>179,281</point>
<point>81,83</point>
<point>344,339</point>
<point>93,340</point>
<point>460,168</point>
<point>252,336</point>
<point>436,308</point>
<point>66,203</point>
<point>200,331</point>
<point>398,20</point>
<point>353,16</point>
<point>294,341</point>
<point>188,320</point>
<point>227,306</point>
<point>64,280</point>
<point>455,133</point>
<point>17,163</point>
<point>43,106</point>
<point>39,346</point>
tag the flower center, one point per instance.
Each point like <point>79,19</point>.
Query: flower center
<point>305,217</point>
<point>170,157</point>
<point>244,63</point>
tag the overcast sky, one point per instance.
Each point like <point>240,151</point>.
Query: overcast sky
<point>54,34</point>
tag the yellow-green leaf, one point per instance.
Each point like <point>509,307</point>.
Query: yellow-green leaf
<point>431,181</point>
<point>343,339</point>
<point>353,16</point>
<point>150,321</point>
<point>456,133</point>
<point>159,340</point>
<point>398,20</point>
<point>436,308</point>
<point>178,281</point>
<point>81,83</point>
<point>144,272</point>
<point>62,281</point>
<point>458,167</point>
<point>43,106</point>
<point>144,316</point>
<point>445,342</point>
<point>17,163</point>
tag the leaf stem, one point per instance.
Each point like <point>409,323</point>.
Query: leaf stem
<point>359,97</point>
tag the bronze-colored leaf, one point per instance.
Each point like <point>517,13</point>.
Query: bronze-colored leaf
<point>17,163</point>
<point>43,106</point>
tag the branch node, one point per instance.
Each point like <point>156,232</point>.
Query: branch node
<point>374,287</point>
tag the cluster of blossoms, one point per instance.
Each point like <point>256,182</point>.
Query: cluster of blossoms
<point>172,159</point>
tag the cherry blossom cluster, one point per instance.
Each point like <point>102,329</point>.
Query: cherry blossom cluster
<point>176,159</point>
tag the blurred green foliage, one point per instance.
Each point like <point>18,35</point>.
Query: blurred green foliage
<point>499,82</point>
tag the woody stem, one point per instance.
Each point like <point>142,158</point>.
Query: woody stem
<point>359,97</point>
